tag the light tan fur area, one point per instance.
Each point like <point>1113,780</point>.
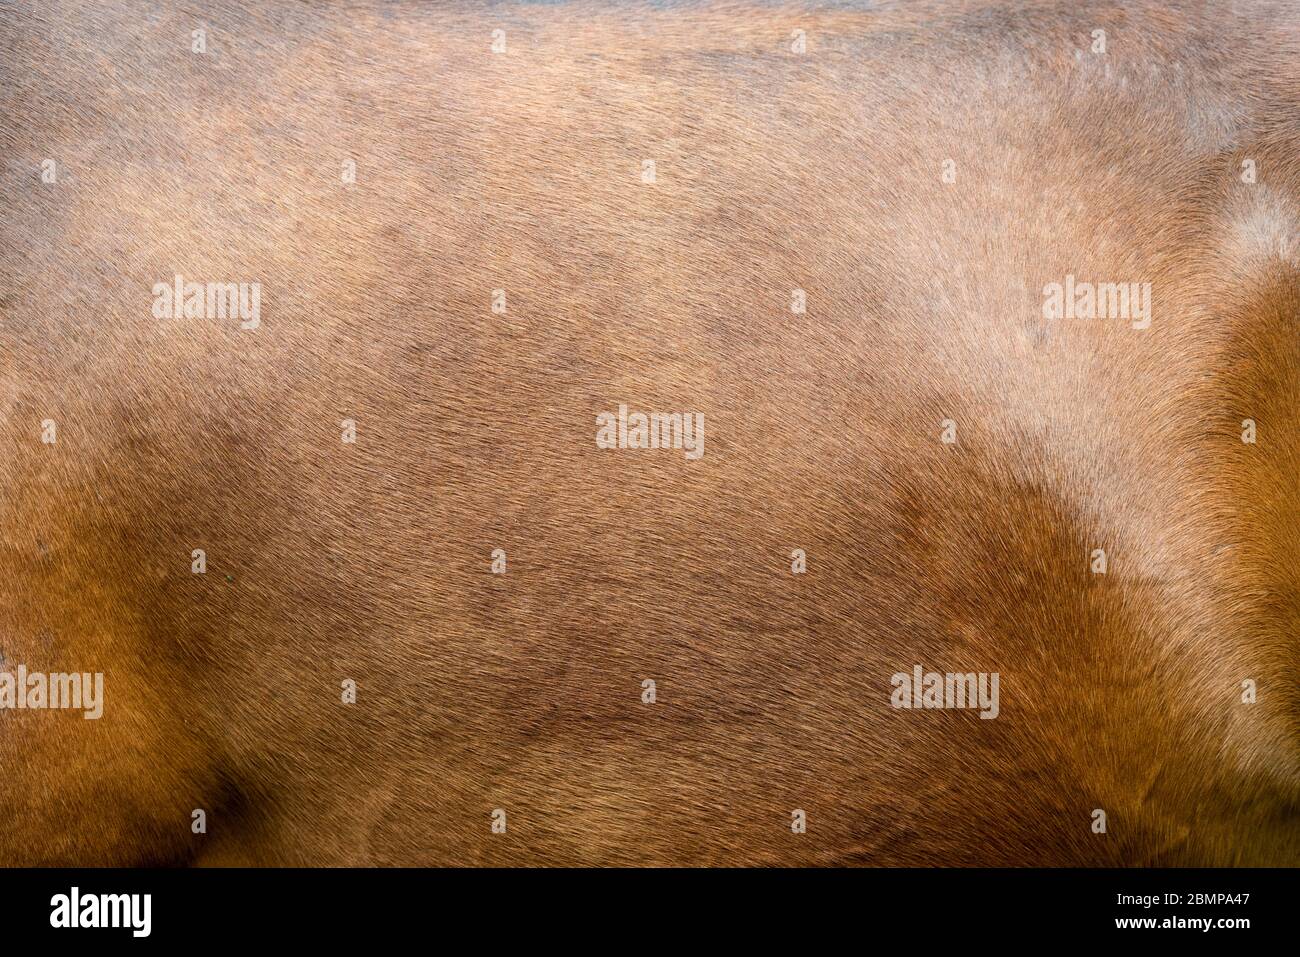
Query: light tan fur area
<point>775,171</point>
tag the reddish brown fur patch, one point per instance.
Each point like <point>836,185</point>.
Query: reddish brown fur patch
<point>774,171</point>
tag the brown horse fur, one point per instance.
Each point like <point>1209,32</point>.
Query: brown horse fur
<point>822,168</point>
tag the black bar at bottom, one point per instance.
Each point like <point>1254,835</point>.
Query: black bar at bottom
<point>942,906</point>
